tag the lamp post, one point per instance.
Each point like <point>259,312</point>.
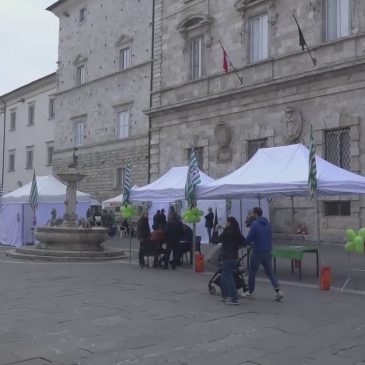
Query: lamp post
<point>3,162</point>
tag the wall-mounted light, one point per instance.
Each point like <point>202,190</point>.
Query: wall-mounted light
<point>66,14</point>
<point>22,100</point>
<point>19,183</point>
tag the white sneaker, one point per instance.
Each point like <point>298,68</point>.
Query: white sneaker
<point>246,295</point>
<point>278,296</point>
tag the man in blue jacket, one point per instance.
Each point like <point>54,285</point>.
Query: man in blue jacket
<point>260,237</point>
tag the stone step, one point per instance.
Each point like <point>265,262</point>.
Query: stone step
<point>45,252</point>
<point>22,256</point>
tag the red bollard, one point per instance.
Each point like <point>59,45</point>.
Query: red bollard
<point>199,262</point>
<point>325,281</point>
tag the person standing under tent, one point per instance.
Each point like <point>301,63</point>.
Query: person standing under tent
<point>260,236</point>
<point>174,233</point>
<point>163,220</point>
<point>231,239</point>
<point>209,218</point>
<point>156,220</point>
<point>143,232</point>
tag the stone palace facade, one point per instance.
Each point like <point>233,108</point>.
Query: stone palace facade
<point>143,82</point>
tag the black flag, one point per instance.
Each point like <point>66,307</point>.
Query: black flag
<point>215,231</point>
<point>302,42</point>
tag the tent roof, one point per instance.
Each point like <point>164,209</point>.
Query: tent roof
<point>282,171</point>
<point>168,188</point>
<point>50,190</point>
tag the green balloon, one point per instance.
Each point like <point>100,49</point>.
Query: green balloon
<point>349,247</point>
<point>358,240</point>
<point>361,232</point>
<point>359,248</point>
<point>350,234</point>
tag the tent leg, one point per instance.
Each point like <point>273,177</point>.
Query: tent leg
<point>292,214</point>
<point>241,224</point>
<point>318,236</point>
<point>192,256</point>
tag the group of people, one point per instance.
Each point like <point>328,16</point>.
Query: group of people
<point>260,238</point>
<point>168,232</point>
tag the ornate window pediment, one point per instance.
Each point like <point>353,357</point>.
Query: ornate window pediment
<point>123,40</point>
<point>194,23</point>
<point>79,59</point>
<point>243,5</point>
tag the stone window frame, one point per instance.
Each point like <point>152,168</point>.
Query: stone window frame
<point>12,122</point>
<point>327,133</point>
<point>351,17</point>
<point>192,27</point>
<point>82,15</point>
<point>77,120</point>
<point>251,43</point>
<point>119,178</point>
<point>31,114</point>
<point>80,61</point>
<point>29,157</point>
<point>121,44</point>
<point>121,108</point>
<point>343,208</point>
<point>49,147</point>
<point>51,107</point>
<point>11,158</point>
<point>250,9</point>
<point>256,141</point>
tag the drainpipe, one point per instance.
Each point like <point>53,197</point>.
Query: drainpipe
<point>151,89</point>
<point>3,162</point>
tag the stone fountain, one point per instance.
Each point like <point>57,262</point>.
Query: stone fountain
<point>69,241</point>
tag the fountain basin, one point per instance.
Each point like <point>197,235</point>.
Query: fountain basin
<point>71,238</point>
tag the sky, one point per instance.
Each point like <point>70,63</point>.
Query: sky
<point>28,42</point>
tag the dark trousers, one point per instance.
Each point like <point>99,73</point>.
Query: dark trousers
<point>209,230</point>
<point>174,248</point>
<point>264,259</point>
<point>228,285</point>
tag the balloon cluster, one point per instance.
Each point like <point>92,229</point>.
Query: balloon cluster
<point>128,211</point>
<point>355,241</point>
<point>192,215</point>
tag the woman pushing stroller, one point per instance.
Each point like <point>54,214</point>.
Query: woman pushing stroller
<point>231,239</point>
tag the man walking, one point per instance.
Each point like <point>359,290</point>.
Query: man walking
<point>260,236</point>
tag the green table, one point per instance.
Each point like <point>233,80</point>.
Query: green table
<point>294,253</point>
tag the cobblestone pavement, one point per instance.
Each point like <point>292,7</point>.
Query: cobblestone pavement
<point>116,313</point>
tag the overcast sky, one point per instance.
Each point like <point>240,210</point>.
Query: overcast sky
<point>28,42</point>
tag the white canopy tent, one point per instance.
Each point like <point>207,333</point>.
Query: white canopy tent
<point>16,215</point>
<point>282,171</point>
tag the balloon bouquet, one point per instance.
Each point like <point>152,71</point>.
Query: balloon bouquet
<point>355,241</point>
<point>192,215</point>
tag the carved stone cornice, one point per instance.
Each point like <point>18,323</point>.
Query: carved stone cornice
<point>243,5</point>
<point>193,23</point>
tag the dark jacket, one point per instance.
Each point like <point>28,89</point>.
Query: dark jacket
<point>209,220</point>
<point>260,235</point>
<point>174,232</point>
<point>230,243</point>
<point>156,220</point>
<point>143,228</point>
<point>162,220</point>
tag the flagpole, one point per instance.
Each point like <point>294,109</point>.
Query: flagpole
<point>234,68</point>
<point>314,60</point>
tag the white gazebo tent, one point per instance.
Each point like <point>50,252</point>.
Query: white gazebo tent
<point>282,171</point>
<point>16,215</point>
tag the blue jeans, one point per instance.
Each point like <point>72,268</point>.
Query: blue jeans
<point>228,285</point>
<point>209,230</point>
<point>264,259</point>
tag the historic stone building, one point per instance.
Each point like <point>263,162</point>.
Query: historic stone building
<point>195,103</point>
<point>28,142</point>
<point>104,76</point>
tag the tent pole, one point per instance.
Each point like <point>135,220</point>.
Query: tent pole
<point>192,258</point>
<point>292,214</point>
<point>241,214</point>
<point>318,236</point>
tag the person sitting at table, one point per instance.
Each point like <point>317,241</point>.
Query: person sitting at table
<point>260,236</point>
<point>185,242</point>
<point>155,241</point>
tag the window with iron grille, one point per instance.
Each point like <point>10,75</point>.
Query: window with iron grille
<point>342,208</point>
<point>120,177</point>
<point>254,145</point>
<point>337,148</point>
<point>200,155</point>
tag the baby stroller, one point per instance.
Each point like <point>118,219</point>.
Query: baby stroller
<point>238,273</point>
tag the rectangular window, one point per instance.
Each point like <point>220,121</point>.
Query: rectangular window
<point>197,54</point>
<point>50,151</point>
<point>120,177</point>
<point>123,124</point>
<point>11,160</point>
<point>259,38</point>
<point>337,147</point>
<point>79,133</point>
<point>341,208</point>
<point>200,155</point>
<point>29,158</point>
<point>82,15</point>
<point>80,75</point>
<point>51,108</point>
<point>12,120</point>
<point>124,58</point>
<point>337,19</point>
<point>31,109</point>
<point>254,145</point>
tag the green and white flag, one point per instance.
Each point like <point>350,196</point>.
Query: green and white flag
<point>127,185</point>
<point>33,196</point>
<point>192,179</point>
<point>312,176</point>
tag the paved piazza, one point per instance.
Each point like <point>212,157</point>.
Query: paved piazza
<point>116,313</point>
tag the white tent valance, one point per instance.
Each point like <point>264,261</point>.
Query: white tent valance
<point>168,188</point>
<point>50,190</point>
<point>282,171</point>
